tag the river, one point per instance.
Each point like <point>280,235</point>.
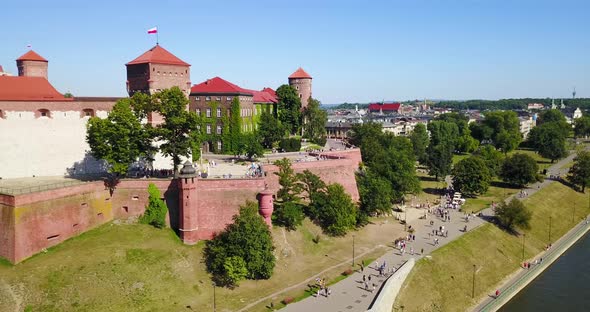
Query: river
<point>564,286</point>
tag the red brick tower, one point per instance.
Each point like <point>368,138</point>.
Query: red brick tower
<point>301,81</point>
<point>265,206</point>
<point>32,64</point>
<point>187,185</point>
<point>156,70</point>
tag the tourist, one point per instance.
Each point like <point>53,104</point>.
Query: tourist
<point>364,278</point>
<point>497,293</point>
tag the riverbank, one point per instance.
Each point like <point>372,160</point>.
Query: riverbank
<point>518,282</point>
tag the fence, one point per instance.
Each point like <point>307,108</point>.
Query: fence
<point>548,258</point>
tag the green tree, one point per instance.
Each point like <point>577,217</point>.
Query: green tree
<point>251,145</point>
<point>375,193</point>
<point>492,158</point>
<point>337,212</point>
<point>311,184</point>
<point>174,132</point>
<point>289,108</point>
<point>270,129</point>
<point>582,127</point>
<point>361,132</point>
<point>549,140</point>
<point>314,126</point>
<point>120,139</point>
<point>156,210</point>
<point>579,173</point>
<point>550,115</point>
<point>471,176</point>
<point>419,139</point>
<point>513,214</point>
<point>519,169</point>
<point>248,238</point>
<point>443,140</point>
<point>235,269</point>
<point>502,127</point>
<point>288,208</point>
<point>234,129</point>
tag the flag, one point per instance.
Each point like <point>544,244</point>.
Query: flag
<point>153,30</point>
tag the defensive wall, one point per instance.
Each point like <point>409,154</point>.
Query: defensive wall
<point>34,221</point>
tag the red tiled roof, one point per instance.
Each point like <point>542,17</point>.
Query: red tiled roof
<point>300,73</point>
<point>219,86</point>
<point>31,56</point>
<point>375,107</point>
<point>264,96</point>
<point>28,89</point>
<point>270,91</point>
<point>158,55</point>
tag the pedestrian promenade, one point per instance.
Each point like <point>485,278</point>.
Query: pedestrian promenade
<point>351,295</point>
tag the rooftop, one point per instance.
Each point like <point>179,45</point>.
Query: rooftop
<point>28,89</point>
<point>384,106</point>
<point>299,73</point>
<point>218,85</point>
<point>158,55</point>
<point>31,56</point>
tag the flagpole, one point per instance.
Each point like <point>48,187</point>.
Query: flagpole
<point>157,36</point>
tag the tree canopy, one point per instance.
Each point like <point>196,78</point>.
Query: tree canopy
<point>549,140</point>
<point>471,176</point>
<point>513,214</point>
<point>314,125</point>
<point>269,129</point>
<point>443,139</point>
<point>500,127</point>
<point>519,169</point>
<point>289,106</point>
<point>419,139</point>
<point>492,158</point>
<point>375,193</point>
<point>579,173</point>
<point>336,212</point>
<point>245,246</point>
<point>582,127</point>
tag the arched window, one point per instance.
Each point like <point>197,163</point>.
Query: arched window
<point>43,113</point>
<point>87,112</point>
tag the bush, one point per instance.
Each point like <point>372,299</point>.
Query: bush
<point>347,272</point>
<point>321,141</point>
<point>513,214</point>
<point>290,145</point>
<point>288,300</point>
<point>156,210</point>
<point>289,215</point>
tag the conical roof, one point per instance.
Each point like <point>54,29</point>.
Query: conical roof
<point>158,55</point>
<point>31,56</point>
<point>299,73</point>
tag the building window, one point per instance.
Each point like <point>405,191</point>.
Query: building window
<point>208,112</point>
<point>196,98</point>
<point>219,145</point>
<point>218,112</point>
<point>88,112</point>
<point>208,98</point>
<point>218,99</point>
<point>296,87</point>
<point>43,113</point>
<point>228,98</point>
<point>208,129</point>
<point>198,127</point>
<point>198,111</point>
<point>299,95</point>
<point>218,129</point>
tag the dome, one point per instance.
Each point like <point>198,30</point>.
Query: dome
<point>188,169</point>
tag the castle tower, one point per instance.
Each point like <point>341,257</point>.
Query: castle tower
<point>32,64</point>
<point>156,70</point>
<point>301,81</point>
<point>265,206</point>
<point>187,185</point>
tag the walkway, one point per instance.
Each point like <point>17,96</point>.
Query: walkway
<point>350,295</point>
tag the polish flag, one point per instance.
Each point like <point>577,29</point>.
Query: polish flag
<point>153,30</point>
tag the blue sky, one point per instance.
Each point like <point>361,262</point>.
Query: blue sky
<point>356,51</point>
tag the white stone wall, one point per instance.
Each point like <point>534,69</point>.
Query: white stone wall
<point>45,146</point>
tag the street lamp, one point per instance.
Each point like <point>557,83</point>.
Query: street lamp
<point>353,251</point>
<point>574,213</point>
<point>214,305</point>
<point>523,239</point>
<point>473,287</point>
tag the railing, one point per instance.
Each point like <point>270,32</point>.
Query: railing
<point>38,188</point>
<point>550,256</point>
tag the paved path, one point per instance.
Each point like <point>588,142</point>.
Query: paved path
<point>350,295</point>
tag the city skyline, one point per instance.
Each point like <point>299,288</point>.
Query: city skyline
<point>355,52</point>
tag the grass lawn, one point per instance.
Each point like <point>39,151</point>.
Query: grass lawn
<point>497,192</point>
<point>444,282</point>
<point>459,157</point>
<point>139,268</point>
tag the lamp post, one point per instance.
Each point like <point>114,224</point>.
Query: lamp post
<point>574,212</point>
<point>523,240</point>
<point>353,251</point>
<point>549,229</point>
<point>214,305</point>
<point>473,287</point>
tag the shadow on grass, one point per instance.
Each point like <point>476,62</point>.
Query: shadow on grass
<point>503,184</point>
<point>428,178</point>
<point>432,191</point>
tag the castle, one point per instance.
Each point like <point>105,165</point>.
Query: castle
<point>42,133</point>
